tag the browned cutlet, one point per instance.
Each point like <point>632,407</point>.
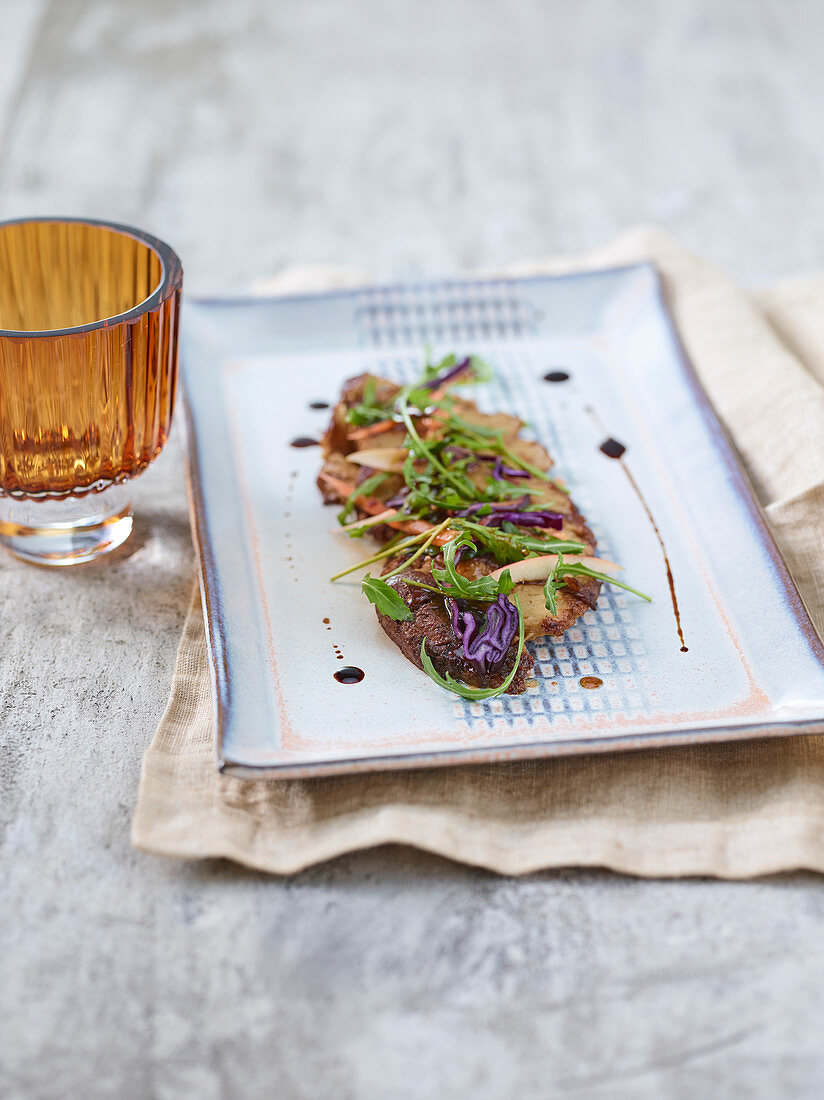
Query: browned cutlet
<point>339,447</point>
<point>431,624</point>
<point>579,596</point>
<point>341,474</point>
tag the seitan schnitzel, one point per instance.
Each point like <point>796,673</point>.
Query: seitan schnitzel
<point>482,549</point>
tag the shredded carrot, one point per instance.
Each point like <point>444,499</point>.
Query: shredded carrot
<point>382,516</point>
<point>373,429</point>
<point>344,489</point>
<point>376,507</point>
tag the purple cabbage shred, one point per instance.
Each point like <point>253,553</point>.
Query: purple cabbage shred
<point>508,512</point>
<point>485,638</point>
<point>524,519</point>
<point>447,376</point>
<point>496,506</point>
<point>501,472</point>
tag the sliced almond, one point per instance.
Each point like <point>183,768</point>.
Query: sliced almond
<point>390,459</point>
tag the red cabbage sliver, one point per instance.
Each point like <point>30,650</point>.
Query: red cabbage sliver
<point>501,472</point>
<point>493,506</point>
<point>447,376</point>
<point>485,639</point>
<point>524,519</point>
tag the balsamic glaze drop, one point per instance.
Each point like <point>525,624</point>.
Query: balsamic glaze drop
<point>612,448</point>
<point>556,376</point>
<point>318,404</point>
<point>349,675</point>
<point>305,441</point>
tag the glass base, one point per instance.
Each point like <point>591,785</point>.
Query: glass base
<point>66,532</point>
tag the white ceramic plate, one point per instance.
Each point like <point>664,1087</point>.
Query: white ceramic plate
<point>749,663</point>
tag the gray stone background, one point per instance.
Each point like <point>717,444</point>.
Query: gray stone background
<point>405,138</point>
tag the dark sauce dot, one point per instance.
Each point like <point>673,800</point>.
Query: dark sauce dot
<point>685,649</point>
<point>318,404</point>
<point>305,441</point>
<point>349,675</point>
<point>591,682</point>
<point>556,376</point>
<point>612,448</point>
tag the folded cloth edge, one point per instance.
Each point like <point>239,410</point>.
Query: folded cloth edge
<point>187,810</point>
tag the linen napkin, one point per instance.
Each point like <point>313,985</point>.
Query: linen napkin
<point>732,810</point>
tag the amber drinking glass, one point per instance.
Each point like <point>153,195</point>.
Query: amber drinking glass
<point>88,372</point>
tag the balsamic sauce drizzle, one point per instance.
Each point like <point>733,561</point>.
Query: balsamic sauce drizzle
<point>556,376</point>
<point>614,449</point>
<point>349,675</point>
<point>591,683</point>
<point>305,441</point>
<point>318,404</point>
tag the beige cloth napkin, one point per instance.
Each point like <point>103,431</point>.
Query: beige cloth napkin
<point>733,810</point>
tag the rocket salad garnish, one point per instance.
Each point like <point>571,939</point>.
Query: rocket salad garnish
<point>466,493</point>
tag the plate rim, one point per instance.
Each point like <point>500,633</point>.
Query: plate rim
<point>213,611</point>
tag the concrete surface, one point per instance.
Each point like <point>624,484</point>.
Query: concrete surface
<point>404,138</point>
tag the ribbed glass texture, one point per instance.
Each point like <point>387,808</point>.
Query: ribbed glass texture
<point>88,355</point>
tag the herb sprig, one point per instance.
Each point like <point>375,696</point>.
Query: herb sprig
<point>440,476</point>
<point>363,490</point>
<point>459,587</point>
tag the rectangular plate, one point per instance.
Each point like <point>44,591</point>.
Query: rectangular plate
<point>278,630</point>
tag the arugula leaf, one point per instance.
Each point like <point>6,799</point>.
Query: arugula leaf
<point>450,575</point>
<point>458,586</point>
<point>368,410</point>
<point>577,569</point>
<point>499,491</point>
<point>361,416</point>
<point>386,599</point>
<point>554,582</point>
<point>479,431</point>
<point>464,690</point>
<point>418,397</point>
<point>481,370</point>
<point>508,547</point>
<point>362,490</point>
<point>497,542</point>
<point>429,538</point>
<point>492,439</point>
<point>419,449</point>
<point>394,546</point>
<point>426,587</point>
